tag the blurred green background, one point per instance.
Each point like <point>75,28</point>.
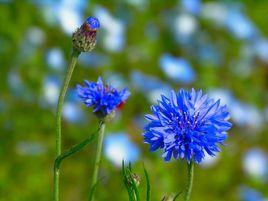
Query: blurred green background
<point>151,47</point>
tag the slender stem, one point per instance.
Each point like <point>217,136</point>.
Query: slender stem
<point>63,91</point>
<point>190,181</point>
<point>97,160</point>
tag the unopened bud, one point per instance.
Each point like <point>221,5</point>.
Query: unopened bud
<point>85,37</point>
<point>136,179</point>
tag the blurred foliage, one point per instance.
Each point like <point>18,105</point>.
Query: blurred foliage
<point>30,29</point>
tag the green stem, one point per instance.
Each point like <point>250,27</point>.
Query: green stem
<point>190,181</point>
<point>97,160</point>
<point>63,91</point>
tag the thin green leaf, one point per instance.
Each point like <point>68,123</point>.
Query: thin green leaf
<point>129,166</point>
<point>148,186</point>
<point>76,148</point>
<point>130,192</point>
<point>123,168</point>
<point>176,196</point>
<point>91,193</point>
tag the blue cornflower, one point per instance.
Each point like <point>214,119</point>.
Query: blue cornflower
<point>103,98</point>
<point>187,125</point>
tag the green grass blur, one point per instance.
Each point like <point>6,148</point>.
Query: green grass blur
<point>27,128</point>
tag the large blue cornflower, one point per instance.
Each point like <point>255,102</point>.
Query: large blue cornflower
<point>187,125</point>
<point>103,98</point>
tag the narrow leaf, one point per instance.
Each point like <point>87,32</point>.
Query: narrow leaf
<point>76,148</point>
<point>91,193</point>
<point>148,186</point>
<point>174,199</point>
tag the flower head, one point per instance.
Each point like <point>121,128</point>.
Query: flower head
<point>187,125</point>
<point>85,37</point>
<point>104,99</point>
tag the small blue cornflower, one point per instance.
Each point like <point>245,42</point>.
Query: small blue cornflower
<point>187,125</point>
<point>104,99</point>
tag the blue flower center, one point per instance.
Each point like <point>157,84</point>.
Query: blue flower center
<point>188,122</point>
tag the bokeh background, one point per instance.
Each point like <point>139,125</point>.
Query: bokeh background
<point>151,47</point>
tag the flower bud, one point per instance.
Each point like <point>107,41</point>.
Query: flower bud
<point>136,179</point>
<point>85,37</point>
